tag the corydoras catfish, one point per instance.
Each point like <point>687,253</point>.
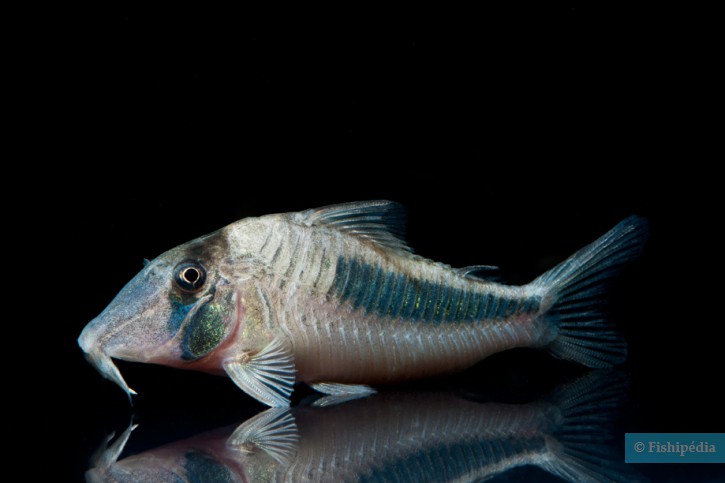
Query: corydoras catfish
<point>333,297</point>
<point>403,437</point>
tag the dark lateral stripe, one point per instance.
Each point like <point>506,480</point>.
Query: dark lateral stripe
<point>421,298</point>
<point>363,283</point>
<point>398,296</point>
<point>441,304</point>
<point>460,306</point>
<point>387,285</point>
<point>350,272</point>
<point>431,300</point>
<point>372,293</point>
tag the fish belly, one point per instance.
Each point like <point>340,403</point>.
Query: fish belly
<point>376,351</point>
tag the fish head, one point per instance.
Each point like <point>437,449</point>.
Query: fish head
<point>175,312</point>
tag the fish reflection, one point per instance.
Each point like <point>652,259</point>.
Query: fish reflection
<point>395,437</point>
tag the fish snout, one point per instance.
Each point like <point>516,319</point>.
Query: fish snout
<point>89,338</point>
<point>100,336</point>
<point>93,344</point>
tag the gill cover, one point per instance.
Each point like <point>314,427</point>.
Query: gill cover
<point>176,311</point>
<point>207,322</point>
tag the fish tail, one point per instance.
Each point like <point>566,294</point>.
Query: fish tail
<point>582,438</point>
<point>573,294</point>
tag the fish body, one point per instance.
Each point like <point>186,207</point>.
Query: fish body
<point>334,298</point>
<point>397,437</point>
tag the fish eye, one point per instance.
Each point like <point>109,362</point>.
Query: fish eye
<point>190,276</point>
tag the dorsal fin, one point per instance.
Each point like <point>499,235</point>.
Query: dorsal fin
<point>382,222</point>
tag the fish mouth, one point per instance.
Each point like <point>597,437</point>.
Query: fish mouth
<point>102,362</point>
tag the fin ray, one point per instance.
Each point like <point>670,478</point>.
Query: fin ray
<point>274,431</point>
<point>340,389</point>
<point>583,333</point>
<point>485,273</point>
<point>268,376</point>
<point>338,393</point>
<point>580,446</point>
<point>382,222</point>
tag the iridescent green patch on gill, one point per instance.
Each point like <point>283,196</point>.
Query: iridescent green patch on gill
<point>205,331</point>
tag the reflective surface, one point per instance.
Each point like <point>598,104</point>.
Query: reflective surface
<point>413,436</point>
<point>551,126</point>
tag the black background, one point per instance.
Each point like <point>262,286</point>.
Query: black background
<point>513,136</point>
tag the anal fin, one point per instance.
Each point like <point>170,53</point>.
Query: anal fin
<point>267,376</point>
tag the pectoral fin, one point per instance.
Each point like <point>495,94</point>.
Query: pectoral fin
<point>274,431</point>
<point>267,376</point>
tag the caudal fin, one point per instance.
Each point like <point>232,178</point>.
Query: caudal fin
<point>582,443</point>
<point>574,289</point>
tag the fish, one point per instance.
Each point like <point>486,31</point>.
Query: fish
<point>398,436</point>
<point>333,297</point>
